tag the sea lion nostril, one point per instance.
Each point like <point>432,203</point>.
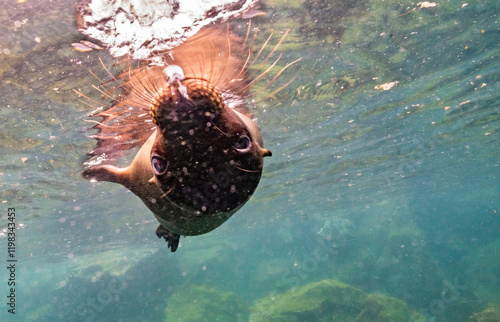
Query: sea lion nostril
<point>173,74</point>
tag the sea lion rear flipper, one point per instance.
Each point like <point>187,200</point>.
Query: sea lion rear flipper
<point>171,238</point>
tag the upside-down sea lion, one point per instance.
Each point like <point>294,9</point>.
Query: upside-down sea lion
<point>202,154</point>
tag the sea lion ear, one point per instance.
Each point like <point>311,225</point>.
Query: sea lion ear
<point>104,173</point>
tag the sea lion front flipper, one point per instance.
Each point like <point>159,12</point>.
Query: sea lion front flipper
<point>134,177</point>
<point>105,172</point>
<point>171,238</point>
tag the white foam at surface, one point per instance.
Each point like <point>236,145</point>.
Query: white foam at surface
<point>141,28</point>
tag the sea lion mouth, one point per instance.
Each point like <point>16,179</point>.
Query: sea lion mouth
<point>185,103</point>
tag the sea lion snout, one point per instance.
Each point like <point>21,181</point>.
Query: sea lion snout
<point>185,103</point>
<point>173,73</point>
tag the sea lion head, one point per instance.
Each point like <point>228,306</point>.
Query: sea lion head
<point>208,157</point>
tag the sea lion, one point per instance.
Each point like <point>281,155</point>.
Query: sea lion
<point>202,154</point>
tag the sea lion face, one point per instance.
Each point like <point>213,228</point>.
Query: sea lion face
<point>208,158</point>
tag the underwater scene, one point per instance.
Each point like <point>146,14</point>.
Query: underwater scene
<point>380,202</point>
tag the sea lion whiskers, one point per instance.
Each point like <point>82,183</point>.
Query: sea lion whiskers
<point>261,49</point>
<point>276,90</point>
<point>253,38</point>
<point>268,70</point>
<point>104,66</point>
<point>228,56</point>
<point>221,71</point>
<point>262,74</point>
<point>153,87</point>
<point>248,30</point>
<point>141,103</point>
<point>143,85</point>
<point>192,70</point>
<point>120,64</point>
<point>258,78</point>
<point>147,89</point>
<point>275,47</point>
<point>166,193</point>
<point>114,125</point>
<point>218,73</point>
<point>220,130</point>
<point>242,169</point>
<point>102,82</point>
<point>243,68</point>
<point>281,71</point>
<point>88,98</point>
<point>105,94</point>
<point>211,69</point>
<point>244,65</point>
<point>95,122</point>
<point>92,73</point>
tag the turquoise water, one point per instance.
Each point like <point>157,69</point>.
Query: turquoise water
<point>394,192</point>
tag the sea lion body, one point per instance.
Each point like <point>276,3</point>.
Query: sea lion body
<point>137,178</point>
<point>201,154</point>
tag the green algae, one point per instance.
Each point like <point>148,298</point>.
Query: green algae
<point>490,314</point>
<point>201,303</point>
<point>319,301</point>
<point>382,308</point>
<point>330,300</point>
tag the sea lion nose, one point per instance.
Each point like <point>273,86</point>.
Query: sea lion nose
<point>174,75</point>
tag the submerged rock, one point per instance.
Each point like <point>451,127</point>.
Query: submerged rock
<point>490,314</point>
<point>331,300</point>
<point>315,301</point>
<point>379,307</point>
<point>201,303</point>
<point>482,267</point>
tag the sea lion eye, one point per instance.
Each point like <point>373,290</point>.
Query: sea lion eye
<point>243,144</point>
<point>159,165</point>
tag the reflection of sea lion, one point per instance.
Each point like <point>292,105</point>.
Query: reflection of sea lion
<point>201,156</point>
